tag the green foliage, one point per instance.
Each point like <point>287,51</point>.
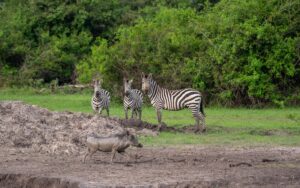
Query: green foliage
<point>255,53</point>
<point>163,45</point>
<point>236,52</point>
<point>56,58</point>
<point>46,39</point>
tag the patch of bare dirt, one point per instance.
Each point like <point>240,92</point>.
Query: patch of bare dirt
<point>40,148</point>
<point>156,167</point>
<point>139,125</point>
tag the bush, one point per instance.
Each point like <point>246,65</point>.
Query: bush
<point>236,52</point>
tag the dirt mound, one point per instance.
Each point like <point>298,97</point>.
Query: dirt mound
<point>21,180</point>
<point>29,127</point>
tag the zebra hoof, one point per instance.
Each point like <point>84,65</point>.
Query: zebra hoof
<point>199,130</point>
<point>161,126</point>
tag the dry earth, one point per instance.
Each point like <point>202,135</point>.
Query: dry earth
<point>40,148</point>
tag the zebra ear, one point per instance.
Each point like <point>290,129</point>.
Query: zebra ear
<point>143,75</point>
<point>130,81</point>
<point>150,75</point>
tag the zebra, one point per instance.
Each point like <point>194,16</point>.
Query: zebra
<point>162,98</point>
<point>100,99</point>
<point>133,99</point>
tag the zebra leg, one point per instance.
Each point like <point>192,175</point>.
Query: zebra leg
<point>132,112</point>
<point>140,114</point>
<point>196,114</point>
<point>197,127</point>
<point>126,113</point>
<point>158,112</point>
<point>100,110</point>
<point>136,113</point>
<point>107,110</point>
<point>202,117</point>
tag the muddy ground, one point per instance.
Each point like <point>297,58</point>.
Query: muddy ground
<point>156,167</point>
<point>40,148</point>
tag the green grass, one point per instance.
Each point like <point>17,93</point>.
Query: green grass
<point>226,126</point>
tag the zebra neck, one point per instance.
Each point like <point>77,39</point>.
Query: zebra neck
<point>131,94</point>
<point>154,90</point>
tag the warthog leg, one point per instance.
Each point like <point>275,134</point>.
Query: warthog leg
<point>127,155</point>
<point>114,151</point>
<point>90,153</point>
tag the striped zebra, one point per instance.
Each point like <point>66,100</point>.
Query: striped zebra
<point>133,99</point>
<point>162,98</point>
<point>100,99</point>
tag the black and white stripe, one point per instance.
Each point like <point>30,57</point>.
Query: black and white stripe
<point>133,99</point>
<point>162,98</point>
<point>100,99</point>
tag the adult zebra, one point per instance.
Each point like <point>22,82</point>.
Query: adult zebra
<point>162,98</point>
<point>100,99</point>
<point>133,99</point>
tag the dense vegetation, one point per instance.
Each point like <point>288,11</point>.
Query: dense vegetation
<point>236,52</point>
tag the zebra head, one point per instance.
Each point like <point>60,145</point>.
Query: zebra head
<point>127,86</point>
<point>146,81</point>
<point>97,85</point>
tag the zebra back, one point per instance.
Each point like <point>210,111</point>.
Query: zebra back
<point>163,98</point>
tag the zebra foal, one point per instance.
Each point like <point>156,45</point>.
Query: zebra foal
<point>133,99</point>
<point>162,98</point>
<point>100,99</point>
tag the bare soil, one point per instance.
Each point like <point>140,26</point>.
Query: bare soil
<point>155,167</point>
<point>39,148</point>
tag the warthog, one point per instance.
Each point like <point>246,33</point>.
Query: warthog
<point>115,143</point>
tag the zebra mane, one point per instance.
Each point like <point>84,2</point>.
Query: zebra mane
<point>153,88</point>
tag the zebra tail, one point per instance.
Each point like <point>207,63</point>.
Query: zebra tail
<point>201,108</point>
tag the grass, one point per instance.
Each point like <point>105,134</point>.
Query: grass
<point>226,126</point>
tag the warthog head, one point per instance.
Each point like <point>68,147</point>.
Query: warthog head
<point>146,82</point>
<point>132,139</point>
